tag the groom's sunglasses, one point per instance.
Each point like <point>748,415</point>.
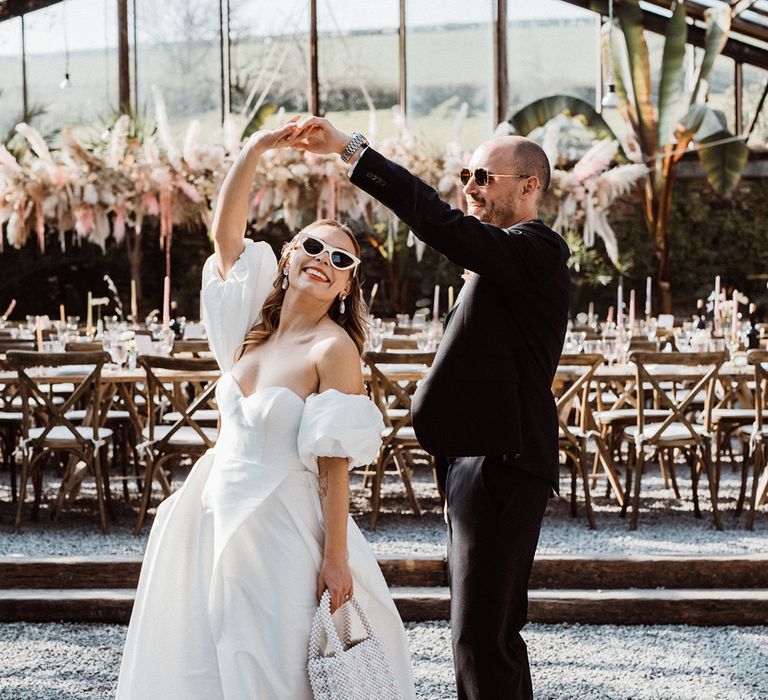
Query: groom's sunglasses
<point>340,258</point>
<point>482,176</point>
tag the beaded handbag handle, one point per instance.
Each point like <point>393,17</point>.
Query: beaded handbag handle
<point>323,622</point>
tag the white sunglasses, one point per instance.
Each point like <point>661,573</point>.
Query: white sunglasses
<point>340,258</point>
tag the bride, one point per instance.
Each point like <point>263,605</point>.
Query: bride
<point>239,556</point>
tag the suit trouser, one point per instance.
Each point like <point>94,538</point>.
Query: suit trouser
<point>494,518</point>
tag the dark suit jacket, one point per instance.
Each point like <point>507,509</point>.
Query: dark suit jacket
<point>489,390</point>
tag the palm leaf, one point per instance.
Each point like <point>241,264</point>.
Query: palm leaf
<point>631,21</point>
<point>538,113</point>
<point>723,163</point>
<point>671,84</point>
<point>718,20</point>
<point>262,114</point>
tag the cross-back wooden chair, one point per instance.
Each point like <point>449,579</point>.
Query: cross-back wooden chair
<point>754,439</point>
<point>10,426</point>
<point>575,436</point>
<point>186,436</point>
<point>58,434</point>
<point>393,398</point>
<point>119,420</point>
<point>678,430</point>
<point>191,347</point>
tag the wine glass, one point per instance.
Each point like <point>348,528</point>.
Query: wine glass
<point>610,350</point>
<point>423,341</point>
<point>375,340</point>
<point>119,353</point>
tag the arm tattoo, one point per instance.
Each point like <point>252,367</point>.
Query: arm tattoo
<point>323,485</point>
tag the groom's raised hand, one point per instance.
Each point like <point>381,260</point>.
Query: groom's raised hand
<point>318,135</point>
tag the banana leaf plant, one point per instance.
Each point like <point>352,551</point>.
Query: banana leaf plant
<point>663,132</point>
<point>658,133</point>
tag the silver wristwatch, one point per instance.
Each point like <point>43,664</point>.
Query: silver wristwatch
<point>357,141</point>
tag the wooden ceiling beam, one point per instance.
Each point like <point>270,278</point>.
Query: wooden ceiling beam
<point>15,8</point>
<point>742,26</point>
<point>739,51</point>
<point>739,6</point>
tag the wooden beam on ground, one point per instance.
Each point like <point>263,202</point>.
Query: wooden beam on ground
<point>549,571</point>
<point>600,607</point>
<point>604,571</point>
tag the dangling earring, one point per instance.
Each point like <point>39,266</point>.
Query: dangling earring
<point>284,284</point>
<point>342,305</point>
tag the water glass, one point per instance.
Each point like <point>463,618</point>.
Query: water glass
<point>593,347</point>
<point>610,350</point>
<point>423,341</point>
<point>388,328</point>
<point>375,340</point>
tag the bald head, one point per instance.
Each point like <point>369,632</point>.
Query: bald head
<point>520,155</point>
<point>505,201</point>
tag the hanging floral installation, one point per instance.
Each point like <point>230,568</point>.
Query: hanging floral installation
<point>101,190</point>
<point>584,195</point>
<point>98,191</point>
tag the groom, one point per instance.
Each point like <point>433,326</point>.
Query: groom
<point>486,409</point>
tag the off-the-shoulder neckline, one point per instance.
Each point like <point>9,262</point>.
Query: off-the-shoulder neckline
<point>289,390</point>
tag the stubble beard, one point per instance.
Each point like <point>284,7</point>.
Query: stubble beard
<point>494,215</point>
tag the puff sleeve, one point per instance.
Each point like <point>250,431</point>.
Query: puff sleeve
<point>335,424</point>
<point>232,306</point>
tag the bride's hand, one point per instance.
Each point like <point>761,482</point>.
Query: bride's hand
<point>264,139</point>
<point>318,135</point>
<point>337,578</point>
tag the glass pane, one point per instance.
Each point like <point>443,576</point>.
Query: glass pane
<point>89,29</point>
<point>449,48</point>
<point>269,56</point>
<point>178,51</point>
<point>754,84</point>
<point>11,100</point>
<point>358,55</point>
<point>721,90</point>
<point>552,48</point>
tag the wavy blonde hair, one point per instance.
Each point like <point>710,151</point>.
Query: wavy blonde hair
<point>353,320</point>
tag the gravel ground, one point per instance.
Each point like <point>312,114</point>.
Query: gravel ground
<point>667,526</point>
<point>567,661</point>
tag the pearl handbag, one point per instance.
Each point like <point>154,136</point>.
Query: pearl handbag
<point>354,670</point>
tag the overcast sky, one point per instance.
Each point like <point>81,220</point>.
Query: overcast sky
<point>91,24</point>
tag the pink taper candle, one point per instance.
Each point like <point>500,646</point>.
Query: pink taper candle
<point>436,309</point>
<point>167,302</point>
<point>648,306</point>
<point>631,310</point>
<point>620,304</point>
<point>716,307</point>
<point>735,316</point>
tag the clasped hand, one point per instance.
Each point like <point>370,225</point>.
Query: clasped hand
<point>314,134</point>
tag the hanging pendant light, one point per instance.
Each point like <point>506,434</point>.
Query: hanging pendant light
<point>65,84</point>
<point>610,99</point>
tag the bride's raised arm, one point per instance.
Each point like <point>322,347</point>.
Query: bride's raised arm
<point>231,215</point>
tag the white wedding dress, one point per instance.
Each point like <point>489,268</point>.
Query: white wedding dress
<point>227,591</point>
